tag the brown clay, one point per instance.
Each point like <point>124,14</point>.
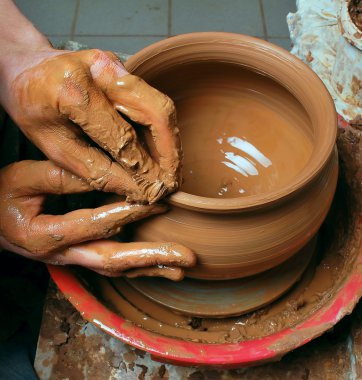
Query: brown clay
<point>242,133</point>
<point>215,299</point>
<point>290,120</point>
<point>62,98</point>
<point>314,290</point>
<point>339,246</point>
<point>171,273</point>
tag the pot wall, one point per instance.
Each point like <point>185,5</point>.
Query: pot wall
<point>243,236</point>
<point>246,243</point>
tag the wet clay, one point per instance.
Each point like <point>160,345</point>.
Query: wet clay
<point>236,245</point>
<point>258,131</point>
<point>296,305</point>
<point>242,133</point>
<point>171,273</point>
<point>339,245</point>
<point>68,98</point>
<point>193,54</point>
<point>217,299</point>
<point>355,11</point>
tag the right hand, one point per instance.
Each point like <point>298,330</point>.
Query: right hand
<point>67,239</point>
<point>57,97</point>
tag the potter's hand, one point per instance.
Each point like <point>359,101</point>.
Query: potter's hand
<point>59,239</point>
<point>58,97</point>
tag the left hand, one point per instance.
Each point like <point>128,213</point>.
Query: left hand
<point>67,239</point>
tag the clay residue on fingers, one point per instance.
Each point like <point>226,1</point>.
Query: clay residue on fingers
<point>147,106</point>
<point>172,273</point>
<point>86,89</point>
<point>112,258</point>
<point>24,226</point>
<point>119,258</point>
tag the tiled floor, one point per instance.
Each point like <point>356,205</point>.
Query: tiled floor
<point>128,26</point>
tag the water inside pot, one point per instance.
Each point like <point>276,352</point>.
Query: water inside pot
<point>242,133</point>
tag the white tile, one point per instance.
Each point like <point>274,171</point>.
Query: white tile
<point>114,17</point>
<point>239,16</point>
<point>275,12</point>
<point>51,16</point>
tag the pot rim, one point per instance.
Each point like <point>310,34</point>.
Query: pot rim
<point>269,60</point>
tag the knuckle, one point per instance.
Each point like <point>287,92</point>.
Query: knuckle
<point>55,178</point>
<point>110,55</point>
<point>99,183</point>
<point>74,92</point>
<point>103,60</point>
<point>98,54</point>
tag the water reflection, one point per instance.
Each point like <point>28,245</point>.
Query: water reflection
<point>244,165</point>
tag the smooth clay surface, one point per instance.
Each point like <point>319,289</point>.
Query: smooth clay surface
<point>242,133</point>
<point>339,245</point>
<point>258,131</point>
<point>226,298</point>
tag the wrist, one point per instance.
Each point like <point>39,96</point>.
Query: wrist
<point>21,44</point>
<point>14,62</point>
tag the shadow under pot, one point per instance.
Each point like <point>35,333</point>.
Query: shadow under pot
<point>260,168</point>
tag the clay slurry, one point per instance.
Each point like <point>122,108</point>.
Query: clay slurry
<point>242,133</point>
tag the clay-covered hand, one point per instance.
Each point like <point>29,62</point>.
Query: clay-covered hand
<point>68,239</point>
<point>59,97</point>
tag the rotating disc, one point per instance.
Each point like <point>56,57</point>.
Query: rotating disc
<point>225,298</point>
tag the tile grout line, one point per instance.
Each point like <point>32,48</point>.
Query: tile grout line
<point>115,35</point>
<point>280,37</point>
<point>169,23</point>
<point>75,19</point>
<point>263,19</point>
<point>141,35</point>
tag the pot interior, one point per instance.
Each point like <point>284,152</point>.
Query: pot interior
<point>242,133</point>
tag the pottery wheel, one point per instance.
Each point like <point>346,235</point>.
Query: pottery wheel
<point>225,298</point>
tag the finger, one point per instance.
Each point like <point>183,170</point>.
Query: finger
<point>147,106</point>
<point>48,233</point>
<point>26,178</point>
<point>171,273</point>
<point>143,104</point>
<point>103,124</point>
<point>64,146</point>
<point>113,258</point>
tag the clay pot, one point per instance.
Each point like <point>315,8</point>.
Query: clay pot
<point>243,236</point>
